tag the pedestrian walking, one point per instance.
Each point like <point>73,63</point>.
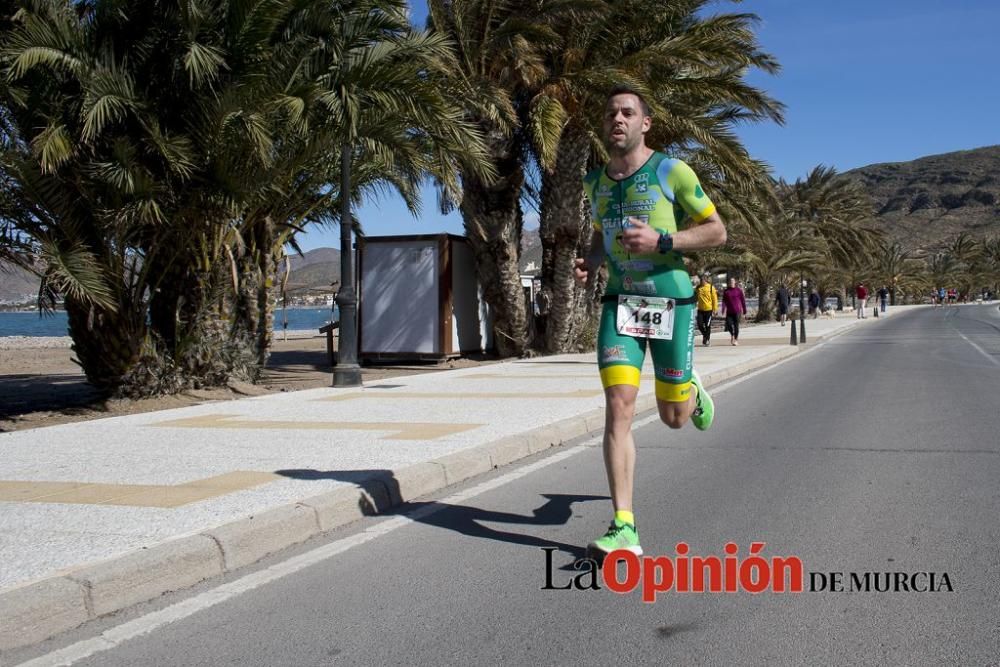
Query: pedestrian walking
<point>734,306</point>
<point>814,304</point>
<point>883,298</point>
<point>861,296</point>
<point>708,305</point>
<point>782,299</point>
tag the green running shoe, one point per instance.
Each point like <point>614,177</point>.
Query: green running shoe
<point>704,411</point>
<point>620,535</point>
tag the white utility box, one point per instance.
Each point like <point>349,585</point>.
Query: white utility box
<point>420,299</point>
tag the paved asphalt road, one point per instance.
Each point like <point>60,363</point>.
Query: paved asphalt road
<point>877,451</point>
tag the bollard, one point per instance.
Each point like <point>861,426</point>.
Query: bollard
<point>795,340</point>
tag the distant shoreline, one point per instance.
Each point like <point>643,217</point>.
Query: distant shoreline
<point>38,342</point>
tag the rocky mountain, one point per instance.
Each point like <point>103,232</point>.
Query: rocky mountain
<point>16,284</point>
<point>315,270</point>
<point>531,251</point>
<point>925,203</point>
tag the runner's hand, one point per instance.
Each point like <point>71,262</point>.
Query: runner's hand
<point>639,237</point>
<point>581,271</point>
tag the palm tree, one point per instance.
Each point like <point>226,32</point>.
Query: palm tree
<point>162,153</point>
<point>690,69</point>
<point>895,267</point>
<point>500,47</point>
<point>942,268</point>
<point>771,251</point>
<point>837,212</point>
<point>991,260</point>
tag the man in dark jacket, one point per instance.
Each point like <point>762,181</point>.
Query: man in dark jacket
<point>782,300</point>
<point>813,304</point>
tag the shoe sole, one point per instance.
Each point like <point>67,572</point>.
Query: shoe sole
<point>598,554</point>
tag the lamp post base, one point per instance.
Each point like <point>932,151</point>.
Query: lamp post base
<point>347,375</point>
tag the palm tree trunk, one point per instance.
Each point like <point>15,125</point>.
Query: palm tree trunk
<point>763,303</point>
<point>265,305</point>
<point>491,213</point>
<point>108,345</point>
<point>565,235</point>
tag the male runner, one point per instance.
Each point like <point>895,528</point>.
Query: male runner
<point>646,209</point>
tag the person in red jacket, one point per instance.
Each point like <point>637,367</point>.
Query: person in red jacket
<point>861,294</point>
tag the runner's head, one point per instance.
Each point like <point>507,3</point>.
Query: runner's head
<point>626,120</point>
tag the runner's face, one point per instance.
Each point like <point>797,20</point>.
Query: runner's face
<point>624,124</point>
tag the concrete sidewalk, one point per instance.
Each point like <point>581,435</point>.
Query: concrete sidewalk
<point>100,515</point>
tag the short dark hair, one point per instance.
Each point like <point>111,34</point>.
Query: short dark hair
<point>625,89</point>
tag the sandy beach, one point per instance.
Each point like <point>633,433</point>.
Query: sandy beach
<point>41,385</point>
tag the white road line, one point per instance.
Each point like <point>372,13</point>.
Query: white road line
<point>978,349</point>
<point>144,625</point>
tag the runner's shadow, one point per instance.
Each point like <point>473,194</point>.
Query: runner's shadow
<point>381,486</point>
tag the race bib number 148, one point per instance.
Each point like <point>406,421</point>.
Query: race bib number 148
<point>646,317</point>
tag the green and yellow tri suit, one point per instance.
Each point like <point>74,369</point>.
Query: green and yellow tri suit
<point>665,194</point>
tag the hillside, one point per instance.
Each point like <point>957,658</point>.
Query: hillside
<point>925,203</point>
<point>314,271</point>
<point>17,284</point>
<point>531,251</point>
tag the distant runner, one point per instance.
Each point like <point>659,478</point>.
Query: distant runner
<point>646,208</point>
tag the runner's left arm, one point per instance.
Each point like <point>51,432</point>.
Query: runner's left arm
<point>705,228</point>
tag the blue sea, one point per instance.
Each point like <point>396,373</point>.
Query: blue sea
<point>31,324</point>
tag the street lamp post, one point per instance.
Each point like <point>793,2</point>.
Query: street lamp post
<point>347,372</point>
<point>802,310</point>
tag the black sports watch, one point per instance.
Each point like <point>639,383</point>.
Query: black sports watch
<point>665,243</point>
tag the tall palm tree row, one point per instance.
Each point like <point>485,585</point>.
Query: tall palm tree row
<point>159,154</point>
<point>501,48</point>
<point>691,69</point>
<point>548,66</point>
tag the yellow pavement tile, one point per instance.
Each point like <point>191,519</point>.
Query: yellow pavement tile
<point>133,495</point>
<point>399,430</point>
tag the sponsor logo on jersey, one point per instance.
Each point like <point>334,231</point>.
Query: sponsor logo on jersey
<point>613,353</point>
<point>642,287</point>
<point>672,372</point>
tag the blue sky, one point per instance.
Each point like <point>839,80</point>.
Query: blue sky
<point>863,82</point>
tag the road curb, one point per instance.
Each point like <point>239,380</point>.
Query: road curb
<point>44,608</point>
